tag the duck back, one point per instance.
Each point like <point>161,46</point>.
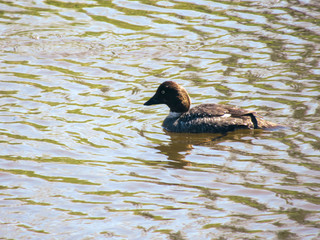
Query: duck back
<point>215,118</point>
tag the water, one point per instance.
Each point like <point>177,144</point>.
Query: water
<point>82,158</point>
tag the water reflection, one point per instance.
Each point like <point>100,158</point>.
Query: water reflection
<point>80,157</point>
<point>181,145</point>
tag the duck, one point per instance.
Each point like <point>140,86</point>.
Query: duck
<point>204,118</point>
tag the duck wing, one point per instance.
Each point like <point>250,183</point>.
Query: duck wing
<point>218,110</point>
<point>216,118</point>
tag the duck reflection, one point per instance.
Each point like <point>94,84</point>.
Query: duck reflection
<point>182,144</point>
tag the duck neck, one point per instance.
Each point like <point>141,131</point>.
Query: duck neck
<point>180,103</point>
<point>174,114</point>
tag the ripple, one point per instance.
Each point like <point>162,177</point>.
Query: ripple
<point>80,154</point>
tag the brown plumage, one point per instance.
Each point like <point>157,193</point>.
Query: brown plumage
<point>204,118</point>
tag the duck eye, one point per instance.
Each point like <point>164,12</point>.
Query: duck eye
<point>163,92</point>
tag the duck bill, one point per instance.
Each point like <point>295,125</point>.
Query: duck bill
<point>154,100</point>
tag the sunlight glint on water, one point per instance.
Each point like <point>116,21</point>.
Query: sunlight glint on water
<point>82,158</point>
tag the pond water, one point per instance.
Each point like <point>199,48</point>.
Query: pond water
<point>82,158</point>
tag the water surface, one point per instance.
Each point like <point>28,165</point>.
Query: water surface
<point>82,158</point>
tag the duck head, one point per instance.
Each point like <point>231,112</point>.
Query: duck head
<point>173,95</point>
